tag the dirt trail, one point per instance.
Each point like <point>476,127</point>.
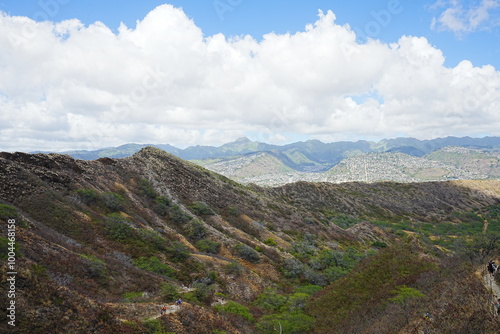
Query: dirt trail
<point>492,287</point>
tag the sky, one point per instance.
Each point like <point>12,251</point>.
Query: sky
<point>94,74</point>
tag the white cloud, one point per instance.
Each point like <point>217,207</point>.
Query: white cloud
<point>66,85</point>
<point>460,17</point>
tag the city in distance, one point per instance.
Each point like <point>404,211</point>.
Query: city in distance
<point>398,160</point>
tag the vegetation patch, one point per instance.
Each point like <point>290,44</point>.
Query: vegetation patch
<point>247,253</point>
<point>235,308</point>
<point>8,212</point>
<point>154,265</point>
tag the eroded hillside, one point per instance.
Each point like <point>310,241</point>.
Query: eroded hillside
<point>103,244</point>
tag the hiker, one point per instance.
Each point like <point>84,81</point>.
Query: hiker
<point>427,316</point>
<point>163,310</point>
<point>178,302</point>
<point>498,306</point>
<point>492,267</point>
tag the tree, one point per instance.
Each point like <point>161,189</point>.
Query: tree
<point>479,248</point>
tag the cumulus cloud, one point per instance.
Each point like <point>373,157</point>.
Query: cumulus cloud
<point>462,18</point>
<point>66,85</point>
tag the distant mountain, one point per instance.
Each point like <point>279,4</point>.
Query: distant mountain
<point>399,159</point>
<point>122,151</point>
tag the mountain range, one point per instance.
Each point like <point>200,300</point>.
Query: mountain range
<point>399,160</point>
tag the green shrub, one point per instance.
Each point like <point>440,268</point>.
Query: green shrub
<point>270,242</point>
<point>379,244</point>
<point>297,301</point>
<point>208,246</point>
<point>270,300</point>
<point>247,253</point>
<point>201,209</point>
<point>404,293</point>
<point>119,228</point>
<point>153,326</point>
<point>153,238</point>
<point>161,205</point>
<point>233,211</point>
<point>8,212</point>
<point>233,268</point>
<point>113,201</point>
<point>88,196</point>
<point>169,291</point>
<point>292,268</point>
<point>178,216</point>
<point>153,264</point>
<point>344,221</point>
<point>308,289</point>
<point>178,251</point>
<point>305,248</point>
<point>146,188</point>
<point>197,230</point>
<point>95,266</point>
<point>203,292</point>
<point>131,297</point>
<point>235,308</point>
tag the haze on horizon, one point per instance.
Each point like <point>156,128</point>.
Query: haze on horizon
<point>69,85</point>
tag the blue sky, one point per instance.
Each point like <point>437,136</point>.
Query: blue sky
<point>258,17</point>
<point>216,70</point>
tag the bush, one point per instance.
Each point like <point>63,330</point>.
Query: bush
<point>153,238</point>
<point>95,266</point>
<point>314,277</point>
<point>270,242</point>
<point>113,201</point>
<point>235,308</point>
<point>344,221</point>
<point>308,289</point>
<point>153,326</point>
<point>179,216</point>
<point>233,268</point>
<point>297,301</point>
<point>154,265</point>
<point>270,300</point>
<point>161,205</point>
<point>147,189</point>
<point>169,291</point>
<point>203,292</point>
<point>197,230</point>
<point>201,209</point>
<point>233,211</point>
<point>247,253</point>
<point>88,196</point>
<point>132,297</point>
<point>208,246</point>
<point>178,251</point>
<point>8,212</point>
<point>293,268</point>
<point>379,244</point>
<point>119,228</point>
